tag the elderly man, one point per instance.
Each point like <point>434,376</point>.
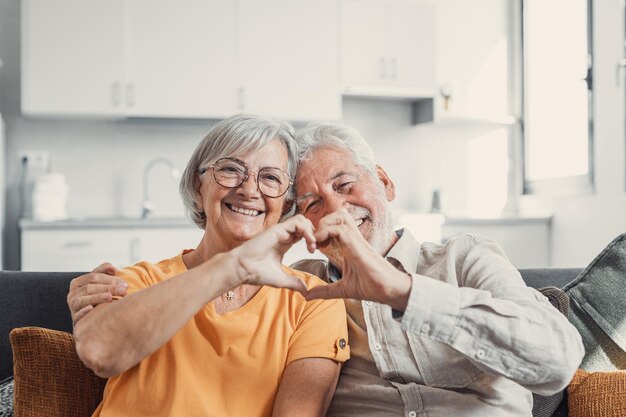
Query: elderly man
<point>435,330</point>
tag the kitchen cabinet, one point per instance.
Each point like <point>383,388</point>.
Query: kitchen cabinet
<point>180,58</point>
<point>152,58</point>
<point>183,59</point>
<point>72,57</point>
<point>81,246</point>
<point>288,58</point>
<point>388,48</point>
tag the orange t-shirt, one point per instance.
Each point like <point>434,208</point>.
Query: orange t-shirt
<point>226,365</point>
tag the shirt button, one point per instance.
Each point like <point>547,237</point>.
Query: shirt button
<point>342,343</point>
<point>480,354</point>
<point>377,346</point>
<point>425,328</point>
<point>369,303</point>
<point>412,414</point>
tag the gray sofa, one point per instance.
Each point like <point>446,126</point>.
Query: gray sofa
<point>39,299</point>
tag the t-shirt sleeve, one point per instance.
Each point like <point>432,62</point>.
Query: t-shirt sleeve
<point>137,277</point>
<point>322,330</point>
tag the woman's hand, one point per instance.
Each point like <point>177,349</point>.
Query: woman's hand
<point>365,274</point>
<point>259,260</point>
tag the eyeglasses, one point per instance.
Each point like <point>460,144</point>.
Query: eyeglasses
<point>232,172</point>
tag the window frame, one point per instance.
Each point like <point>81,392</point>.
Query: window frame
<point>577,184</point>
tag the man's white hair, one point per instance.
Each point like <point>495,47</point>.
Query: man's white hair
<point>317,135</point>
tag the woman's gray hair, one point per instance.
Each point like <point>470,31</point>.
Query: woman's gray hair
<point>238,135</point>
<point>317,135</point>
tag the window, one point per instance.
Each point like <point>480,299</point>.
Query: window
<point>557,122</point>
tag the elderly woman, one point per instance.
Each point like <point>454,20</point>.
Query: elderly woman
<point>219,331</point>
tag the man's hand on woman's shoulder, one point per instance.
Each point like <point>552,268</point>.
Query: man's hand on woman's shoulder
<point>97,287</point>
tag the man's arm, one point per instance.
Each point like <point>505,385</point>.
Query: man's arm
<point>501,325</point>
<point>306,388</point>
<point>491,317</point>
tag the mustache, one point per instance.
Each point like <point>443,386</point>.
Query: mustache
<point>358,212</point>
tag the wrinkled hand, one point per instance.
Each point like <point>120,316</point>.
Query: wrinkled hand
<point>366,275</point>
<point>259,260</point>
<point>96,287</point>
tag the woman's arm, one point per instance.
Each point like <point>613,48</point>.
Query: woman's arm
<point>116,336</point>
<point>306,388</point>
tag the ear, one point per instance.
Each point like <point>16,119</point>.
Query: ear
<point>388,185</point>
<point>197,184</point>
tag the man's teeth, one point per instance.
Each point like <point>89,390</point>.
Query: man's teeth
<point>359,222</point>
<point>242,210</point>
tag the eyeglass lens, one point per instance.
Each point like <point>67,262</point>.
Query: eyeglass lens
<point>231,173</point>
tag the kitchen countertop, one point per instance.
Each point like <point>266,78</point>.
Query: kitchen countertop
<point>107,222</point>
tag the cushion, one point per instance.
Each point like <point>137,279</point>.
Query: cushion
<point>6,397</point>
<point>547,406</point>
<point>598,308</point>
<point>597,394</point>
<point>50,379</point>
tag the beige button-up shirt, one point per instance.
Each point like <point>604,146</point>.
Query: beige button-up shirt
<point>474,340</point>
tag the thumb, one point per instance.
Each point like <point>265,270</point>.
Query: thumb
<point>325,292</point>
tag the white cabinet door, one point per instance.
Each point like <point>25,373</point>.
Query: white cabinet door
<point>363,43</point>
<point>181,58</point>
<point>74,250</point>
<point>72,57</point>
<point>388,48</point>
<point>288,58</point>
<point>154,244</point>
<point>411,30</point>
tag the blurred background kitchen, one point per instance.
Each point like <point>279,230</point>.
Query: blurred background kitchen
<point>502,117</point>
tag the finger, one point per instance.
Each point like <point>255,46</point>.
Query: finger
<point>79,303</point>
<point>325,234</point>
<point>326,292</point>
<point>81,313</point>
<point>289,282</point>
<point>296,228</point>
<point>95,278</point>
<point>106,268</point>
<point>306,229</point>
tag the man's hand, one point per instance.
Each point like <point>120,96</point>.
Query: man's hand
<point>366,275</point>
<point>96,287</point>
<point>259,260</point>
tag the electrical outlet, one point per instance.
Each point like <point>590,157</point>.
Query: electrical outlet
<point>35,162</point>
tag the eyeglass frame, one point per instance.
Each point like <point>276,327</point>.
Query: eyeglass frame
<point>247,172</point>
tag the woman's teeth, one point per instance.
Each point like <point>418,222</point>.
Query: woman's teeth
<point>240,210</point>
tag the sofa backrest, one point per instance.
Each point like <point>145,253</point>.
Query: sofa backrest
<point>31,299</point>
<point>39,299</point>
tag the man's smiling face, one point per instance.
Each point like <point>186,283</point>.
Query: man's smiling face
<point>330,179</point>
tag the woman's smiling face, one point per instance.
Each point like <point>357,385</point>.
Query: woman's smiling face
<point>234,215</point>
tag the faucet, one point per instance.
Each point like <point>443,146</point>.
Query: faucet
<point>147,205</point>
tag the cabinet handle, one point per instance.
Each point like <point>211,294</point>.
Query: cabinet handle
<point>621,69</point>
<point>78,244</point>
<point>382,67</point>
<point>116,94</point>
<point>130,94</point>
<point>242,98</point>
<point>394,68</point>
